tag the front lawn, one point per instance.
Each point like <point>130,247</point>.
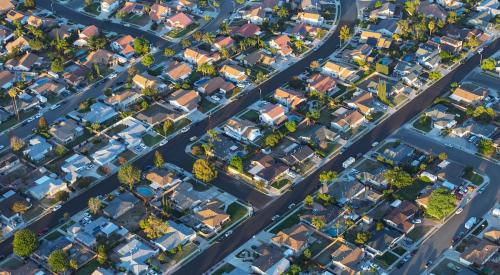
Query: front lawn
<point>177,33</point>
<point>151,140</point>
<point>418,232</point>
<point>387,259</point>
<point>88,268</point>
<point>94,8</point>
<point>423,124</point>
<point>206,105</point>
<point>251,115</point>
<point>473,177</point>
<point>288,222</point>
<point>236,211</point>
<point>411,192</point>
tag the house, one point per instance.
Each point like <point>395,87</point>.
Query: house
<point>273,114</point>
<point>234,73</point>
<point>375,39</point>
<point>223,42</point>
<point>451,45</point>
<point>177,235</point>
<point>347,191</point>
<point>143,81</point>
<point>246,30</point>
<point>321,83</point>
<point>299,155</point>
<point>179,21</point>
<point>478,251</point>
<point>108,153</point>
<point>255,14</point>
<point>157,113</point>
<point>62,32</point>
<point>38,148</point>
<point>87,234</point>
<point>387,10</point>
<point>260,161</point>
<point>323,135</point>
<point>364,102</point>
<point>289,98</point>
<point>432,10</point>
<point>73,166</point>
<point>124,99</point>
<point>471,127</point>
<point>281,44</point>
<point>75,74</point>
<point>466,94</point>
<point>161,178</point>
<point>349,120</point>
<point>25,63</point>
<point>47,86</point>
<point>492,234</point>
<point>271,173</point>
<point>387,27</point>
<point>381,241</point>
<point>132,134</point>
<point>347,259</point>
<point>400,216</point>
<point>197,56</point>
<point>98,57</point>
<point>66,131</point>
<point>271,261</point>
<point>85,35</point>
<point>338,70</point>
<point>20,43</point>
<point>490,6</point>
<point>4,115</point>
<point>5,34</point>
<point>6,79</point>
<point>99,113</point>
<point>159,12</point>
<point>47,186</point>
<point>120,205</point>
<point>6,6</point>
<point>134,254</point>
<point>241,129</point>
<point>216,84</point>
<point>212,217</point>
<point>303,30</point>
<point>450,4</point>
<point>9,162</point>
<point>178,71</point>
<point>186,100</point>
<point>10,220</point>
<point>295,238</point>
<point>184,197</point>
<point>360,53</point>
<point>308,5</point>
<point>124,45</point>
<point>132,7</point>
<point>399,153</point>
<point>109,6</point>
<point>35,21</point>
<point>257,57</point>
<point>311,18</point>
<point>440,118</point>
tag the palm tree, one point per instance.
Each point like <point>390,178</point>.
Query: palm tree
<point>13,93</point>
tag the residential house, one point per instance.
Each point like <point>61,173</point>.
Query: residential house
<point>255,14</point>
<point>87,234</point>
<point>387,10</point>
<point>124,46</point>
<point>162,178</point>
<point>246,30</point>
<point>399,153</point>
<point>478,251</point>
<point>108,153</point>
<point>212,217</point>
<point>308,5</point>
<point>273,114</point>
<point>450,4</point>
<point>472,127</point>
<point>451,45</point>
<point>258,57</point>
<point>241,129</point>
<point>35,21</point>
<point>143,81</point>
<point>339,71</point>
<point>360,53</point>
<point>311,18</point>
<point>349,120</point>
<point>99,113</point>
<point>432,10</point>
<point>120,205</point>
<point>197,56</point>
<point>124,99</point>
<point>178,71</point>
<point>38,148</point>
<point>177,235</point>
<point>4,115</point>
<point>159,12</point>
<point>47,86</point>
<point>216,84</point>
<point>234,73</point>
<point>10,220</point>
<point>347,259</point>
<point>400,216</point>
<point>98,57</point>
<point>440,118</point>
<point>5,34</point>
<point>186,100</point>
<point>73,166</point>
<point>469,94</point>
<point>109,6</point>
<point>25,63</point>
<point>62,32</point>
<point>20,43</point>
<point>8,163</point>
<point>75,74</point>
<point>387,27</point>
<point>184,197</point>
<point>271,173</point>
<point>85,35</point>
<point>322,136</point>
<point>66,131</point>
<point>295,238</point>
<point>298,155</point>
<point>130,7</point>
<point>347,191</point>
<point>179,21</point>
<point>6,6</point>
<point>132,134</point>
<point>303,30</point>
<point>281,44</point>
<point>223,42</point>
<point>47,186</point>
<point>6,79</point>
<point>157,113</point>
<point>375,39</point>
<point>289,98</point>
<point>490,6</point>
<point>271,261</point>
<point>321,83</point>
<point>365,103</point>
<point>134,256</point>
<point>381,241</point>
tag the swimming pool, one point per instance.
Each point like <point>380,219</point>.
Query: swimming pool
<point>145,191</point>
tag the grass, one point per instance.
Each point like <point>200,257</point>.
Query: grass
<point>151,140</point>
<point>177,33</point>
<point>399,250</point>
<point>199,187</point>
<point>186,250</point>
<point>53,236</point>
<point>236,211</point>
<point>226,268</point>
<point>411,192</point>
<point>140,20</point>
<point>181,123</point>
<point>387,259</point>
<point>94,8</point>
<point>251,115</point>
<point>206,105</point>
<point>418,232</point>
<point>88,268</point>
<point>280,183</point>
<point>288,222</point>
<point>473,177</point>
<point>423,125</point>
<point>13,120</point>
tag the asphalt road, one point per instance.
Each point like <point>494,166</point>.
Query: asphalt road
<point>477,207</point>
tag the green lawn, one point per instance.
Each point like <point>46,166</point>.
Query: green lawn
<point>206,105</point>
<point>411,192</point>
<point>53,236</point>
<point>423,126</point>
<point>151,140</point>
<point>94,9</point>
<point>88,268</point>
<point>418,232</point>
<point>140,20</point>
<point>226,268</point>
<point>399,250</point>
<point>177,33</point>
<point>251,115</point>
<point>288,222</point>
<point>280,183</point>
<point>13,120</point>
<point>386,259</point>
<point>474,177</point>
<point>236,211</point>
<point>200,187</point>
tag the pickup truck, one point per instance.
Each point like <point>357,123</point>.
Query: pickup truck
<point>470,223</point>
<point>348,162</point>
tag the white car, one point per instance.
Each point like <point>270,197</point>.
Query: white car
<point>215,98</point>
<point>459,210</point>
<point>38,115</point>
<point>185,129</point>
<point>143,146</point>
<point>275,217</point>
<point>56,207</point>
<point>30,119</point>
<point>53,107</point>
<point>163,142</point>
<point>193,138</point>
<point>112,76</point>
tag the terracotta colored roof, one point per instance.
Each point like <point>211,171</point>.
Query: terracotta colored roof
<point>6,5</point>
<point>233,71</point>
<point>363,102</point>
<point>19,42</point>
<point>14,15</point>
<point>283,42</point>
<point>273,110</point>
<point>144,81</point>
<point>295,237</point>
<point>89,32</point>
<point>309,16</point>
<point>224,41</point>
<point>322,83</point>
<point>99,56</point>
<point>212,217</point>
<point>341,71</point>
<point>349,119</point>
<point>158,11</point>
<point>247,30</point>
<point>5,77</point>
<point>466,94</point>
<point>197,55</point>
<point>178,69</point>
<point>293,97</point>
<point>185,97</point>
<point>35,21</point>
<point>401,215</point>
<point>180,20</point>
<point>479,252</point>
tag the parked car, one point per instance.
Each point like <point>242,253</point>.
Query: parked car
<point>275,217</point>
<point>459,210</point>
<point>193,138</point>
<point>185,129</point>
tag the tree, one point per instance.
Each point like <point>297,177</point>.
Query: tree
<point>204,171</point>
<point>431,26</point>
<point>481,114</point>
<point>88,3</point>
<point>147,60</point>
<point>153,227</point>
<point>435,75</point>
<point>260,76</point>
<point>16,143</point>
<point>20,207</point>
<point>488,64</point>
<point>291,126</point>
<point>362,237</point>
<point>452,17</point>
<point>345,33</point>
<point>29,4</point>
<point>197,36</point>
<point>441,203</point>
<point>272,139</point>
<point>206,69</point>
<point>308,201</point>
<point>57,65</point>
<point>294,269</point>
<point>42,125</point>
<point>411,7</point>
<point>307,253</point>
<point>141,46</point>
<point>168,52</point>
<point>102,257</point>
<point>317,222</point>
<point>324,198</point>
<point>398,178</point>
<point>377,4</point>
<point>237,163</point>
<point>129,175</point>
<point>185,43</point>
<point>158,160</point>
<point>327,176</point>
<point>73,264</point>
<point>58,261</point>
<point>314,65</point>
<point>60,150</point>
<point>13,94</point>
<point>486,147</point>
<point>382,91</point>
<point>24,243</point>
<point>95,205</point>
<point>61,196</point>
<point>442,156</point>
<point>167,126</point>
<point>379,226</point>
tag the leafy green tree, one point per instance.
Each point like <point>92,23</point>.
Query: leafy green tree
<point>29,4</point>
<point>481,114</point>
<point>324,198</point>
<point>73,264</point>
<point>60,150</point>
<point>398,178</point>
<point>204,171</point>
<point>20,206</point>
<point>291,126</point>
<point>307,253</point>
<point>294,269</point>
<point>441,203</point>
<point>377,4</point>
<point>318,223</point>
<point>327,176</point>
<point>237,163</point>
<point>147,60</point>
<point>61,196</point>
<point>129,175</point>
<point>153,227</point>
<point>168,52</point>
<point>58,261</point>
<point>57,65</point>
<point>486,147</point>
<point>158,160</point>
<point>345,33</point>
<point>102,256</point>
<point>362,237</point>
<point>308,201</point>
<point>16,143</point>
<point>379,226</point>
<point>442,156</point>
<point>94,205</point>
<point>452,17</point>
<point>185,43</point>
<point>24,243</point>
<point>167,126</point>
<point>206,69</point>
<point>488,64</point>
<point>273,139</point>
<point>141,46</point>
<point>435,75</point>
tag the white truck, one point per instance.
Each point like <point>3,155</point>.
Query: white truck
<point>348,162</point>
<point>470,223</point>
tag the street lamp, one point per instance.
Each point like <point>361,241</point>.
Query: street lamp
<point>480,51</point>
<point>260,93</point>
